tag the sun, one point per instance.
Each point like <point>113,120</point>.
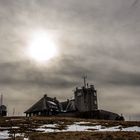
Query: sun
<point>42,47</point>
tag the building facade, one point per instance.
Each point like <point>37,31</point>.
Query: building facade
<point>3,110</point>
<point>86,99</point>
<point>84,105</point>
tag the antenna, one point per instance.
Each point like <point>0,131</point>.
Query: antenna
<point>1,102</point>
<point>13,111</point>
<point>85,77</point>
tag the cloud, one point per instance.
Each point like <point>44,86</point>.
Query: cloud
<point>97,38</point>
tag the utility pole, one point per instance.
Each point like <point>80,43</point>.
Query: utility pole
<point>1,102</point>
<point>13,111</point>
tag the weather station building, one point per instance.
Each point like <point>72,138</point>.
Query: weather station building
<point>84,105</point>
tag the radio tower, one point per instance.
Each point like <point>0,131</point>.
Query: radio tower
<point>1,101</point>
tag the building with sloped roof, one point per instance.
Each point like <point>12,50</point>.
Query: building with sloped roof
<point>44,107</point>
<point>84,105</point>
<point>68,106</point>
<point>3,110</point>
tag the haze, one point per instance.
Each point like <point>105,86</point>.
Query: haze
<point>100,38</point>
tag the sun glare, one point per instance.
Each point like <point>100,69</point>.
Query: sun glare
<point>42,47</point>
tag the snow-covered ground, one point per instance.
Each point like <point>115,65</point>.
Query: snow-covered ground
<point>4,135</point>
<point>83,126</point>
<point>76,126</point>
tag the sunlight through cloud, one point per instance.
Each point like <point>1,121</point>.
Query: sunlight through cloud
<point>42,47</point>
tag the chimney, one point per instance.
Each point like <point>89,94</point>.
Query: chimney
<point>45,95</point>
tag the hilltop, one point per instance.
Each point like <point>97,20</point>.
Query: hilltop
<point>54,128</point>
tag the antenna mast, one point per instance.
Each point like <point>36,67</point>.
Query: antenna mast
<point>1,99</point>
<point>84,77</point>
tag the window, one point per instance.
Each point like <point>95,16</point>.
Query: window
<point>95,102</point>
<point>79,94</point>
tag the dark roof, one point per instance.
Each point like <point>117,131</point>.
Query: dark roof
<point>45,103</point>
<point>64,105</point>
<point>68,105</point>
<point>104,114</point>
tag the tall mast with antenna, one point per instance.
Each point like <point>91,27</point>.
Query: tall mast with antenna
<point>85,77</point>
<point>1,102</point>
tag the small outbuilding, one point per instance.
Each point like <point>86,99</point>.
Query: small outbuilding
<point>3,110</point>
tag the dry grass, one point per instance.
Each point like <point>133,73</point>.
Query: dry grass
<point>87,136</point>
<point>27,125</point>
<point>37,121</point>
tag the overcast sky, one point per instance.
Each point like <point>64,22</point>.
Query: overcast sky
<point>100,38</point>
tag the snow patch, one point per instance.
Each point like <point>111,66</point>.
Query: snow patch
<point>134,128</point>
<point>82,122</point>
<point>53,103</point>
<point>115,128</point>
<point>76,127</point>
<point>4,135</point>
<point>47,128</point>
<point>25,139</point>
<point>79,126</point>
